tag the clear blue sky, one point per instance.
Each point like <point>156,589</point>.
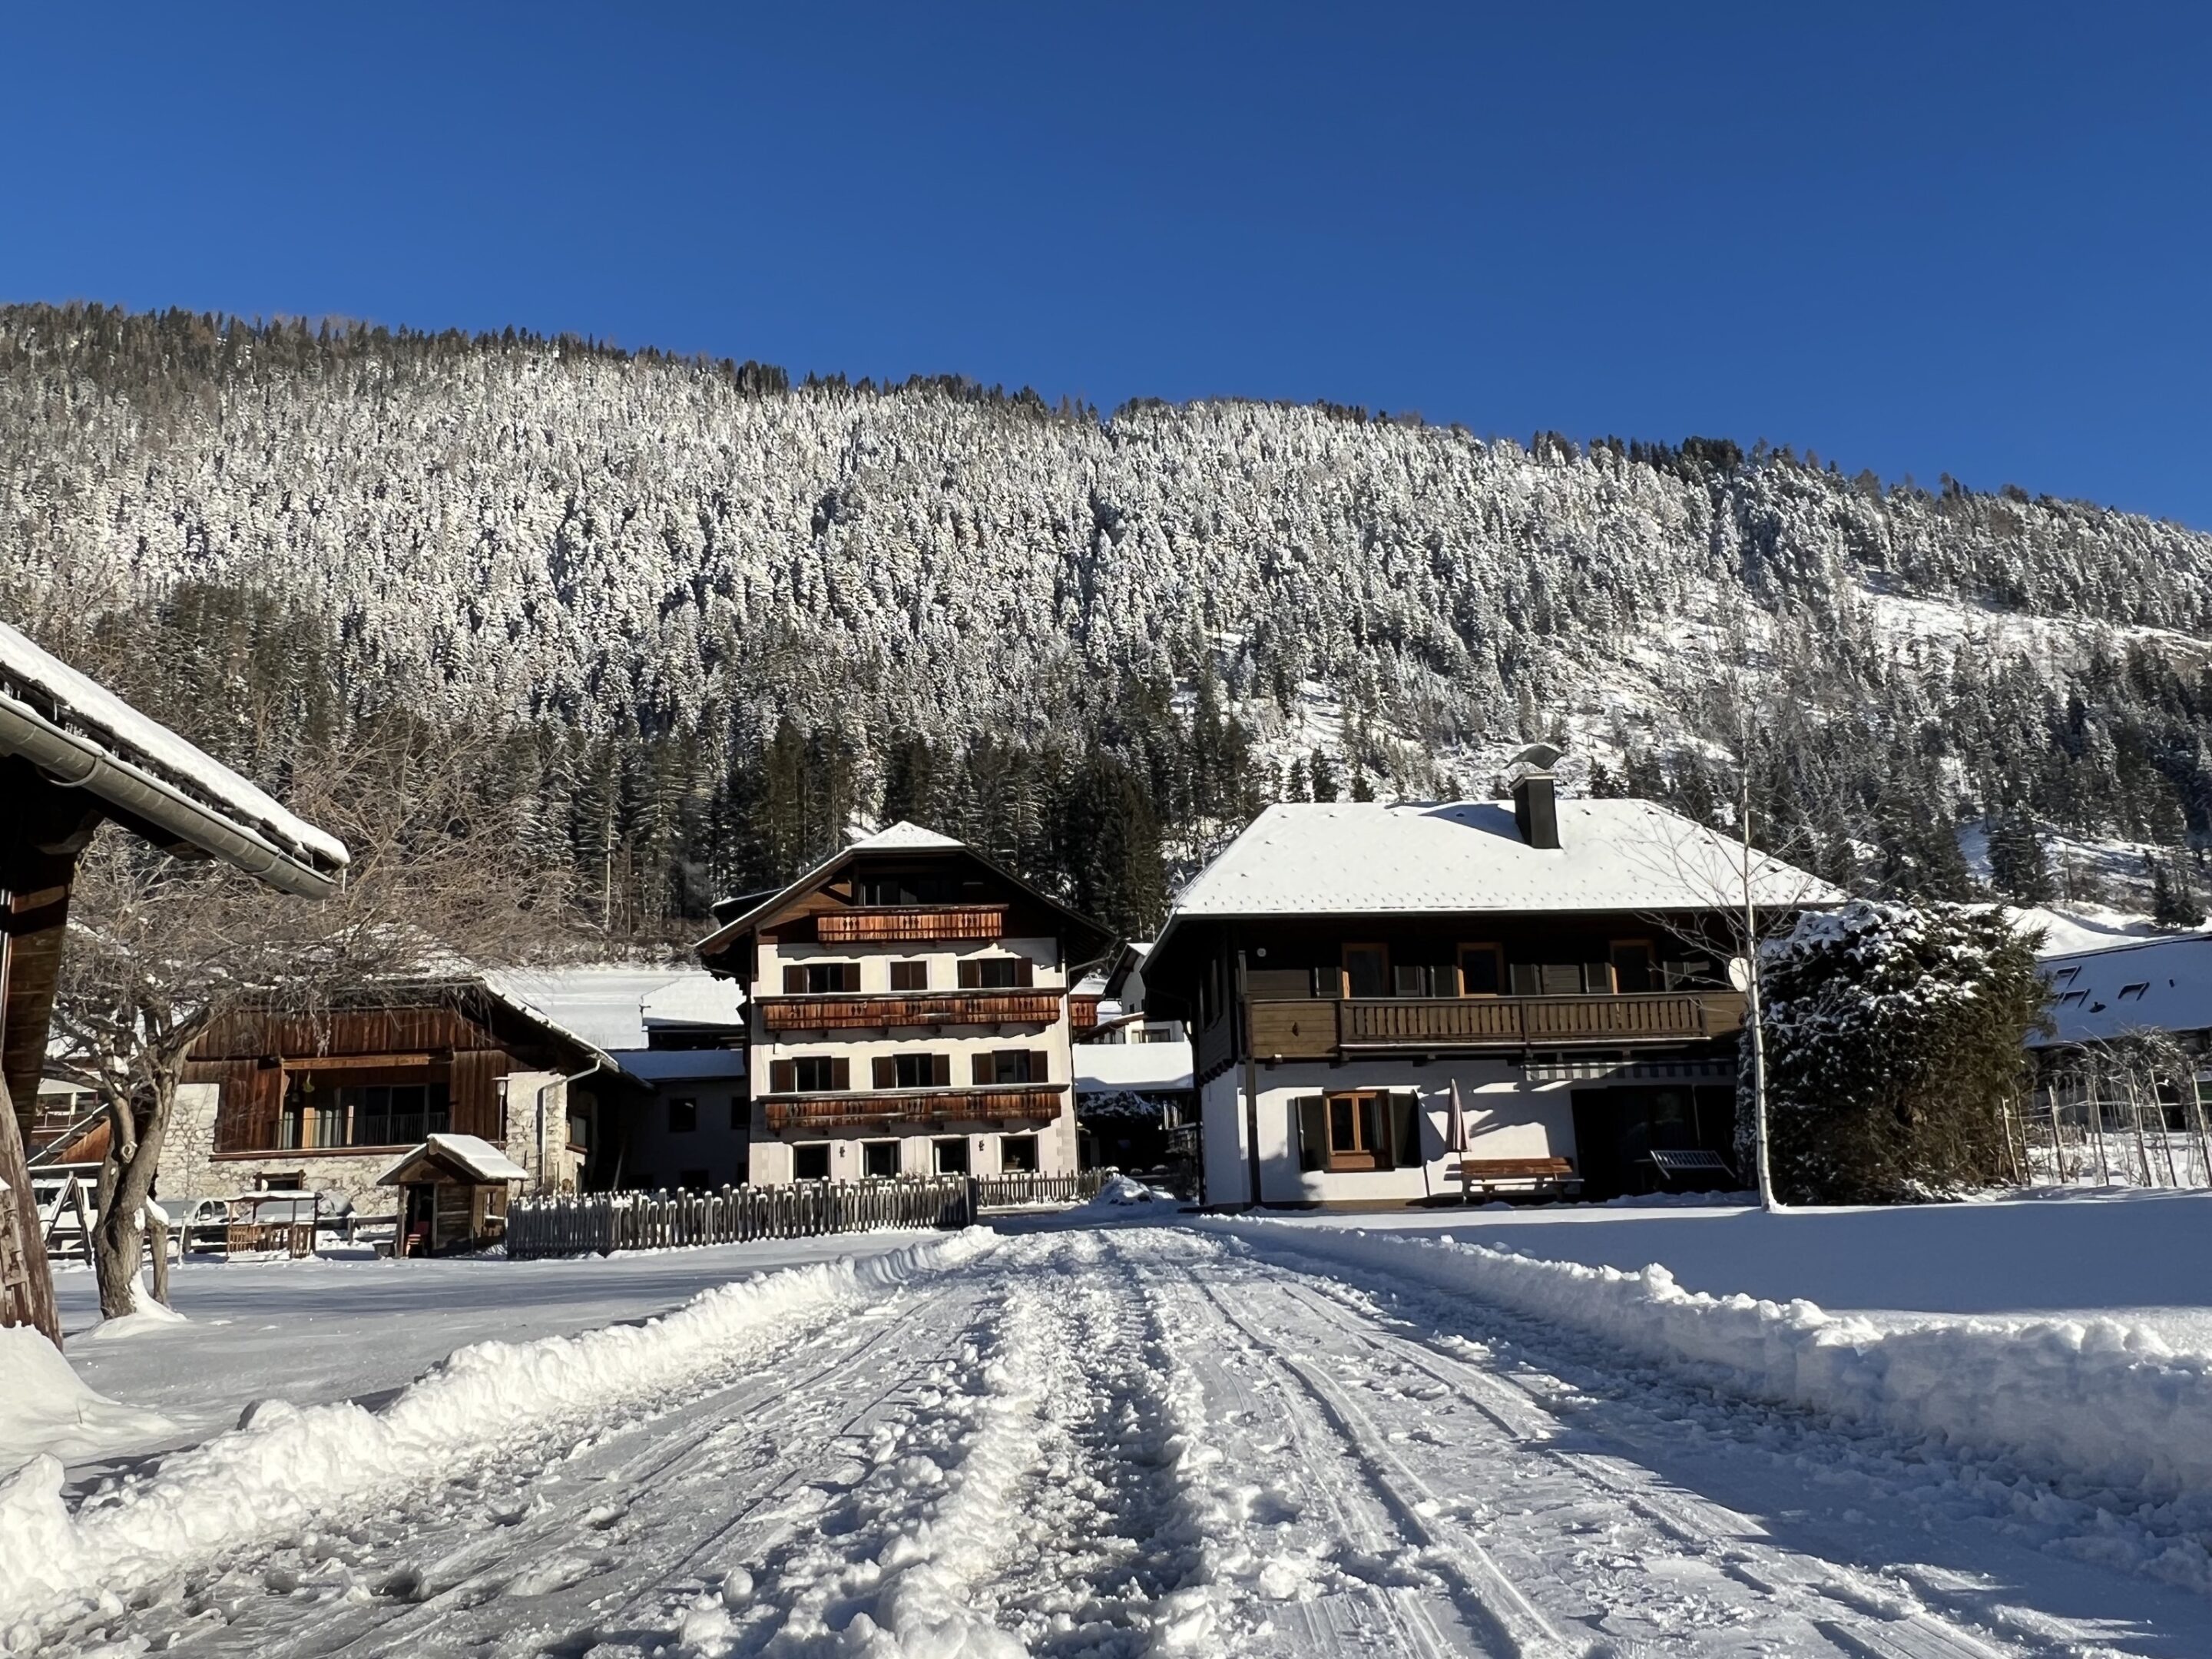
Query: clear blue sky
<point>1920,239</point>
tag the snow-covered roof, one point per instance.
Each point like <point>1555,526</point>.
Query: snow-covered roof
<point>1365,857</point>
<point>472,1154</point>
<point>607,1005</point>
<point>903,834</point>
<point>2088,927</point>
<point>91,713</point>
<point>2162,984</point>
<point>1101,1067</point>
<point>683,1065</point>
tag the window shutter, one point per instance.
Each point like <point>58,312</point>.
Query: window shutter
<point>986,1069</point>
<point>794,979</point>
<point>1526,980</point>
<point>840,1073</point>
<point>849,975</point>
<point>783,1077</point>
<point>886,1072</point>
<point>1024,972</point>
<point>1040,1066</point>
<point>971,974</point>
<point>1406,1129</point>
<point>1309,1121</point>
<point>940,1071</point>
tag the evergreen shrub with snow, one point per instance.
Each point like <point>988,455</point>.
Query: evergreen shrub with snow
<point>1896,1037</point>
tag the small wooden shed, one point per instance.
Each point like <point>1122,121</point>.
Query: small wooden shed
<point>454,1191</point>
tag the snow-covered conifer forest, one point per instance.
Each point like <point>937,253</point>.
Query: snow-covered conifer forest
<point>697,619</point>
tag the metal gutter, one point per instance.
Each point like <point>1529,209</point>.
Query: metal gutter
<point>75,763</point>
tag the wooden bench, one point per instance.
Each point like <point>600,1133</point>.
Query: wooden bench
<point>1540,1175</point>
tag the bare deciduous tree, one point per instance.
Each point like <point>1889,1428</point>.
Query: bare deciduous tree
<point>161,949</point>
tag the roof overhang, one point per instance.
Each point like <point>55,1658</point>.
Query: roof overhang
<point>151,802</point>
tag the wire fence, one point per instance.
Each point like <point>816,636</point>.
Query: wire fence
<point>603,1223</point>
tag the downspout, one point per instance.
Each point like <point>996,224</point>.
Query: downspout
<point>1243,1028</point>
<point>598,1063</point>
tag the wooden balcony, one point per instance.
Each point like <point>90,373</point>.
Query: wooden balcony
<point>1325,1028</point>
<point>1026,1007</point>
<point>907,923</point>
<point>1028,1102</point>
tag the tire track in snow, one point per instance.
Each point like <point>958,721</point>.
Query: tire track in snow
<point>1810,1587</point>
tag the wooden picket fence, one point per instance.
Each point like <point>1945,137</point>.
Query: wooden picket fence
<point>603,1223</point>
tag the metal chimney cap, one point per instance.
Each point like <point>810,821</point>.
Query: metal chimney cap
<point>1537,757</point>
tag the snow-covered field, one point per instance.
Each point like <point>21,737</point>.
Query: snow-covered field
<point>1263,1438</point>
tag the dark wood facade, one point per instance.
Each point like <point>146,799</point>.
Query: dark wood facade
<point>458,1037</point>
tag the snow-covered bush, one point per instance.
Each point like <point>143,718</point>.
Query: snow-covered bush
<point>1896,1037</point>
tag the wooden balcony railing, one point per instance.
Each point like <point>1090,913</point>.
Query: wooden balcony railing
<point>896,924</point>
<point>881,1012</point>
<point>1321,1027</point>
<point>1030,1102</point>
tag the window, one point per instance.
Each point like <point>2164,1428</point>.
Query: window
<point>694,1181</point>
<point>879,1158</point>
<point>682,1114</point>
<point>318,1115</point>
<point>1481,970</point>
<point>2133,992</point>
<point>1366,970</point>
<point>1695,973</point>
<point>741,1114</point>
<point>909,976</point>
<point>913,1071</point>
<point>809,1161</point>
<point>997,972</point>
<point>1422,979</point>
<point>880,891</point>
<point>579,1131</point>
<point>1018,1153</point>
<point>1631,965</point>
<point>1013,1066</point>
<point>950,1156</point>
<point>1359,1129</point>
<point>809,1074</point>
<point>820,979</point>
<point>2073,999</point>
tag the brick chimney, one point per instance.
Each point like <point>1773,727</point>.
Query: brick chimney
<point>1535,794</point>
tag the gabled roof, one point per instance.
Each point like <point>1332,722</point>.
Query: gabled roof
<point>1367,858</point>
<point>468,1155</point>
<point>2163,984</point>
<point>902,834</point>
<point>77,732</point>
<point>901,837</point>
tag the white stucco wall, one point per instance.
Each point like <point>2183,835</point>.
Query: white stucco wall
<point>1505,1116</point>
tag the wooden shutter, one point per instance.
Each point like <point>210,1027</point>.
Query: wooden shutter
<point>849,975</point>
<point>794,979</point>
<point>886,1072</point>
<point>783,1077</point>
<point>1406,1129</point>
<point>940,1071</point>
<point>1040,1066</point>
<point>971,974</point>
<point>1309,1121</point>
<point>840,1073</point>
<point>1024,972</point>
<point>986,1067</point>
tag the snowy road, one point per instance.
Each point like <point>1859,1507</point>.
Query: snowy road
<point>1155,1439</point>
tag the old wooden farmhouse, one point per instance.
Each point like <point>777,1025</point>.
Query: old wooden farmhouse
<point>1399,1003</point>
<point>908,1013</point>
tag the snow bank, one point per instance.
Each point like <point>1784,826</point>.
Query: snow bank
<point>1120,1189</point>
<point>45,1408</point>
<point>284,1465</point>
<point>2096,1401</point>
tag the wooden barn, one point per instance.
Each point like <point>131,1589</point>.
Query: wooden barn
<point>322,1101</point>
<point>72,756</point>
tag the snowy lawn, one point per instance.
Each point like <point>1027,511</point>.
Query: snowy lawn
<point>307,1332</point>
<point>2139,1257</point>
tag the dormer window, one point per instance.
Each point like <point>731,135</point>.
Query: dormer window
<point>2133,992</point>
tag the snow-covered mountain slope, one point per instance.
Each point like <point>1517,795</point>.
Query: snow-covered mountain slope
<point>508,528</point>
